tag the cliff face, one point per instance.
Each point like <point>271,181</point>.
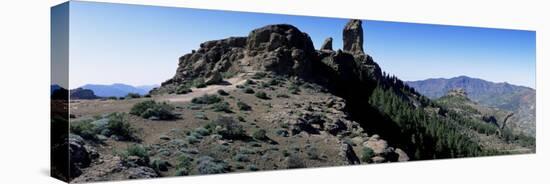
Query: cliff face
<point>282,49</point>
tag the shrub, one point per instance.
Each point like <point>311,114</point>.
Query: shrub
<point>199,83</point>
<point>84,129</point>
<point>273,82</point>
<point>243,106</point>
<point>209,165</point>
<point>260,134</point>
<point>221,107</point>
<point>222,92</point>
<point>136,150</point>
<point>112,98</point>
<point>241,157</point>
<point>184,162</point>
<point>252,167</point>
<point>261,95</point>
<point>228,128</point>
<point>118,125</point>
<point>281,95</point>
<point>182,172</point>
<point>259,75</point>
<point>248,90</point>
<point>151,109</point>
<point>249,82</point>
<point>133,95</point>
<point>183,89</point>
<point>202,131</point>
<point>159,165</point>
<point>294,88</point>
<point>228,74</point>
<point>206,99</point>
<point>191,139</point>
<point>366,154</point>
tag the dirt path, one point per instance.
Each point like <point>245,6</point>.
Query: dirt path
<point>211,89</point>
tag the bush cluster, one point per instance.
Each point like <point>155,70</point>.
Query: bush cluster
<point>151,109</point>
<point>206,99</point>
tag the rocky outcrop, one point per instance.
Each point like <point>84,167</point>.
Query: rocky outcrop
<point>353,37</point>
<point>346,151</point>
<point>78,155</point>
<point>327,44</point>
<point>80,93</point>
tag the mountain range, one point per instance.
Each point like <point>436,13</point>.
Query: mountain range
<point>117,89</point>
<point>518,99</point>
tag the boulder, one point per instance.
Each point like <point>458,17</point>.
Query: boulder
<point>402,155</point>
<point>346,151</point>
<point>214,78</point>
<point>378,159</point>
<point>327,44</point>
<point>353,37</point>
<point>379,146</point>
<point>271,37</point>
<point>78,155</point>
<point>141,172</point>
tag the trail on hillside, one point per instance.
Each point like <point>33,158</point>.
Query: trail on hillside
<point>227,85</point>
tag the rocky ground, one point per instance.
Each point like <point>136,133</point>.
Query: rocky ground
<point>306,128</point>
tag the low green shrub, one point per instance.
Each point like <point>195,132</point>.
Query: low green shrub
<point>206,99</point>
<point>248,90</point>
<point>260,134</point>
<point>282,95</point>
<point>259,75</point>
<point>151,109</point>
<point>227,127</point>
<point>222,92</point>
<point>261,95</point>
<point>221,107</point>
<point>209,165</point>
<point>366,154</point>
<point>119,125</point>
<point>294,88</point>
<point>84,129</point>
<point>243,106</point>
<point>183,89</point>
<point>135,150</point>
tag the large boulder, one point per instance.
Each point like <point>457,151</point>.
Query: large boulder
<point>353,37</point>
<point>346,152</point>
<point>78,155</point>
<point>271,37</point>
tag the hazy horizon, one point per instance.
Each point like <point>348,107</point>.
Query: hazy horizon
<point>140,45</point>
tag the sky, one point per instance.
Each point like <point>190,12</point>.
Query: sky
<point>140,45</point>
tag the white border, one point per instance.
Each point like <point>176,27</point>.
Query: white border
<point>25,101</point>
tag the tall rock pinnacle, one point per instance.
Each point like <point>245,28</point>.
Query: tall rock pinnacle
<point>353,37</point>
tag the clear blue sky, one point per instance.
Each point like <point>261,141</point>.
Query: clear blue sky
<point>138,45</point>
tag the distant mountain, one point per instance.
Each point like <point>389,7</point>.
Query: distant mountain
<point>518,99</point>
<point>117,89</point>
<point>54,87</point>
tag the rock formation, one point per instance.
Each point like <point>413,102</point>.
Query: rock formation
<point>353,37</point>
<point>282,49</point>
<point>80,93</point>
<point>327,44</point>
